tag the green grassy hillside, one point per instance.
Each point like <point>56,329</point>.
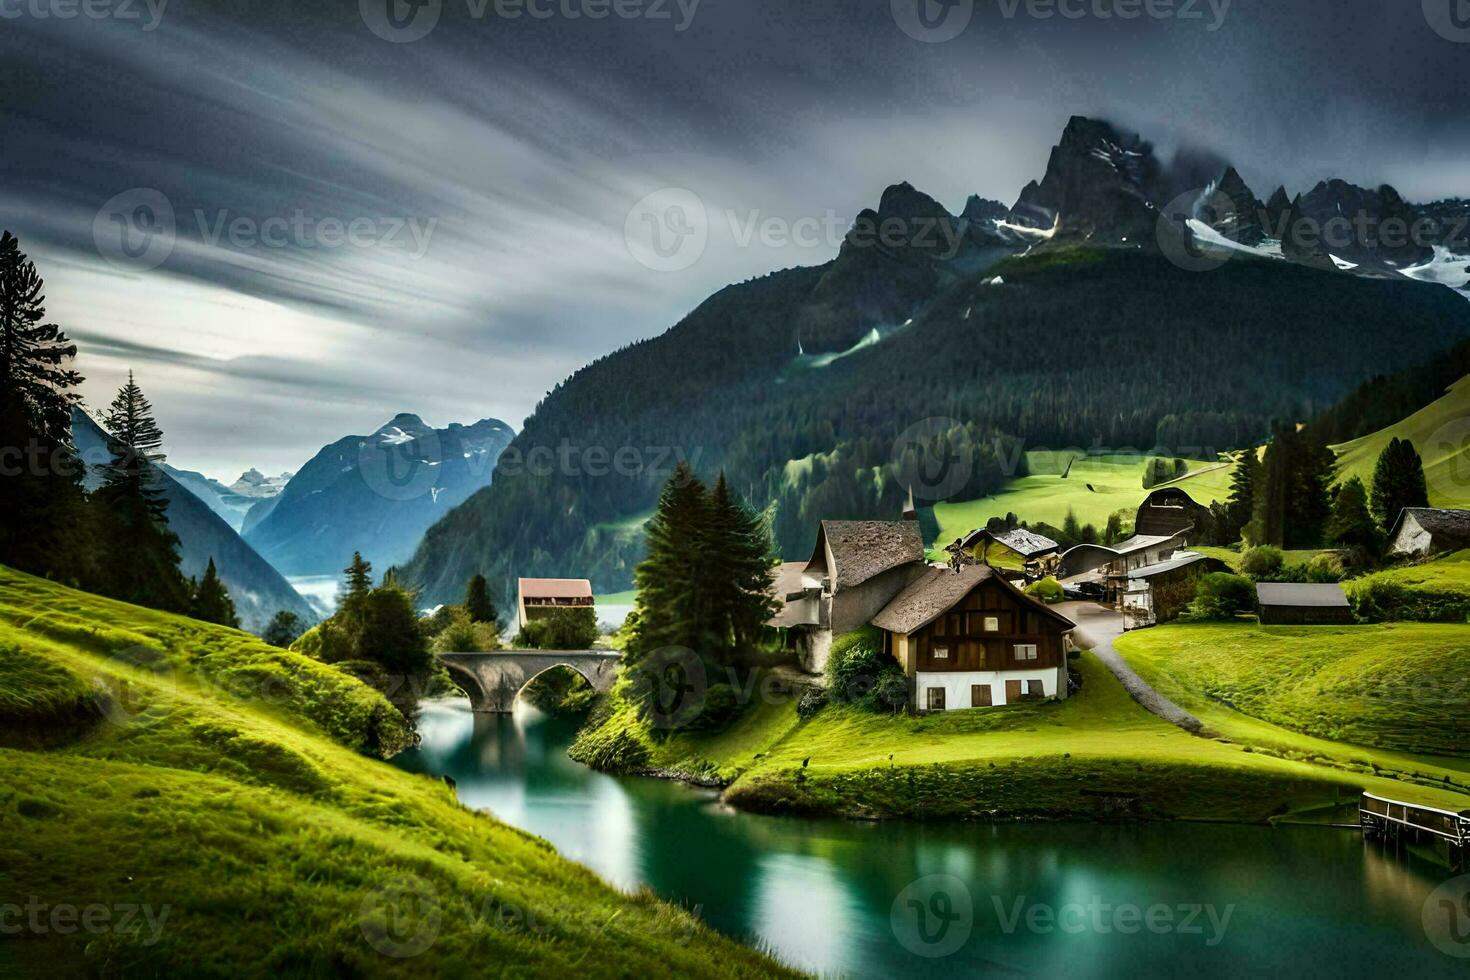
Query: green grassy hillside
<point>205,779</point>
<point>1400,687</point>
<point>1116,484</point>
<point>1070,759</point>
<point>1441,434</point>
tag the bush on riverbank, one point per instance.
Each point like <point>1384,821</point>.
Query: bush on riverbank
<point>861,674</point>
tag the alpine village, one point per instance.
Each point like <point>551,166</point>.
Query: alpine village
<point>883,624</point>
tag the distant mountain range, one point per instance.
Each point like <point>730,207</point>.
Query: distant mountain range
<point>258,590</point>
<point>376,494</point>
<point>1081,315</point>
<point>231,502</point>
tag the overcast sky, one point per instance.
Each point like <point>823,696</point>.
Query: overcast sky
<point>184,175</point>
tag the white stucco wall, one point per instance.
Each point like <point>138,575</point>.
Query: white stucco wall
<point>957,685</point>
<point>1412,539</point>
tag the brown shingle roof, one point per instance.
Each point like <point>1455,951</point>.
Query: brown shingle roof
<point>1023,542</point>
<point>863,549</point>
<point>939,589</point>
<point>555,588</point>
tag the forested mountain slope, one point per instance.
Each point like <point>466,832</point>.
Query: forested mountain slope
<point>1075,346</point>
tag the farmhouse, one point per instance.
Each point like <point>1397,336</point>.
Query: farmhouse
<point>1294,604</point>
<point>970,639</point>
<point>538,596</point>
<point>1016,548</point>
<point>1150,576</point>
<point>855,569</point>
<point>1429,530</point>
<point>1168,511</point>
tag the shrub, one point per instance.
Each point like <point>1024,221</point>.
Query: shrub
<point>1048,590</point>
<point>461,635</point>
<point>560,629</point>
<point>1221,595</point>
<point>1262,562</point>
<point>1383,600</point>
<point>1326,567</point>
<point>860,673</point>
<point>811,702</point>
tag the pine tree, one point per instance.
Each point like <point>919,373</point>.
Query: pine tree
<point>211,602</point>
<point>1240,506</point>
<point>283,629</point>
<point>671,607</point>
<point>352,597</point>
<point>141,553</point>
<point>43,521</point>
<point>1350,523</point>
<point>1071,529</point>
<point>737,573</point>
<point>1398,482</point>
<point>477,601</point>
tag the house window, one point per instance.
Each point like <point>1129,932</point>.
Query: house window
<point>941,653</point>
<point>992,624</point>
<point>980,696</point>
<point>936,699</point>
<point>1035,690</point>
<point>1026,651</point>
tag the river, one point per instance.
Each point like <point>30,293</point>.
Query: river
<point>914,899</point>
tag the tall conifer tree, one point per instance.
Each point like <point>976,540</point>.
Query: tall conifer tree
<point>141,555</point>
<point>212,602</point>
<point>42,517</point>
<point>1398,482</point>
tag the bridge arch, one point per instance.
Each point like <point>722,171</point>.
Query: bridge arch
<point>494,680</point>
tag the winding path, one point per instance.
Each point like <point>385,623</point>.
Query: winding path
<point>1097,628</point>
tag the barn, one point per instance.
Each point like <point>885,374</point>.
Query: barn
<point>1300,604</point>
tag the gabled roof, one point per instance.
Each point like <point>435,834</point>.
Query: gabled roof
<point>1300,594</point>
<point>555,588</point>
<point>1027,544</point>
<point>863,549</point>
<point>1447,527</point>
<point>1181,559</point>
<point>940,589</point>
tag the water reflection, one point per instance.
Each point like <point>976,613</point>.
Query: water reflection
<point>871,900</point>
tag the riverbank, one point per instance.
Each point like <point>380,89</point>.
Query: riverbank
<point>1095,756</point>
<point>181,798</point>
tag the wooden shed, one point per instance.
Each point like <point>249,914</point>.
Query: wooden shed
<point>1299,604</point>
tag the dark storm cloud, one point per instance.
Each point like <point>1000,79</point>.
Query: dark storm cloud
<point>441,222</point>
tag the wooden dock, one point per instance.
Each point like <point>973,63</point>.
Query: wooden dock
<point>1396,822</point>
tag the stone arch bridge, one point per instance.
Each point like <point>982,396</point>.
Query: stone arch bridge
<point>494,680</point>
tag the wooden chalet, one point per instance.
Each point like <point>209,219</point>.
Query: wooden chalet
<point>970,639</point>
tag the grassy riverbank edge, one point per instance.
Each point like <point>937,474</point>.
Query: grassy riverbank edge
<point>1097,756</point>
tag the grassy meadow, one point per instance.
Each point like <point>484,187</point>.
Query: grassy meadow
<point>220,785</point>
<point>1044,495</point>
<point>1440,432</point>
